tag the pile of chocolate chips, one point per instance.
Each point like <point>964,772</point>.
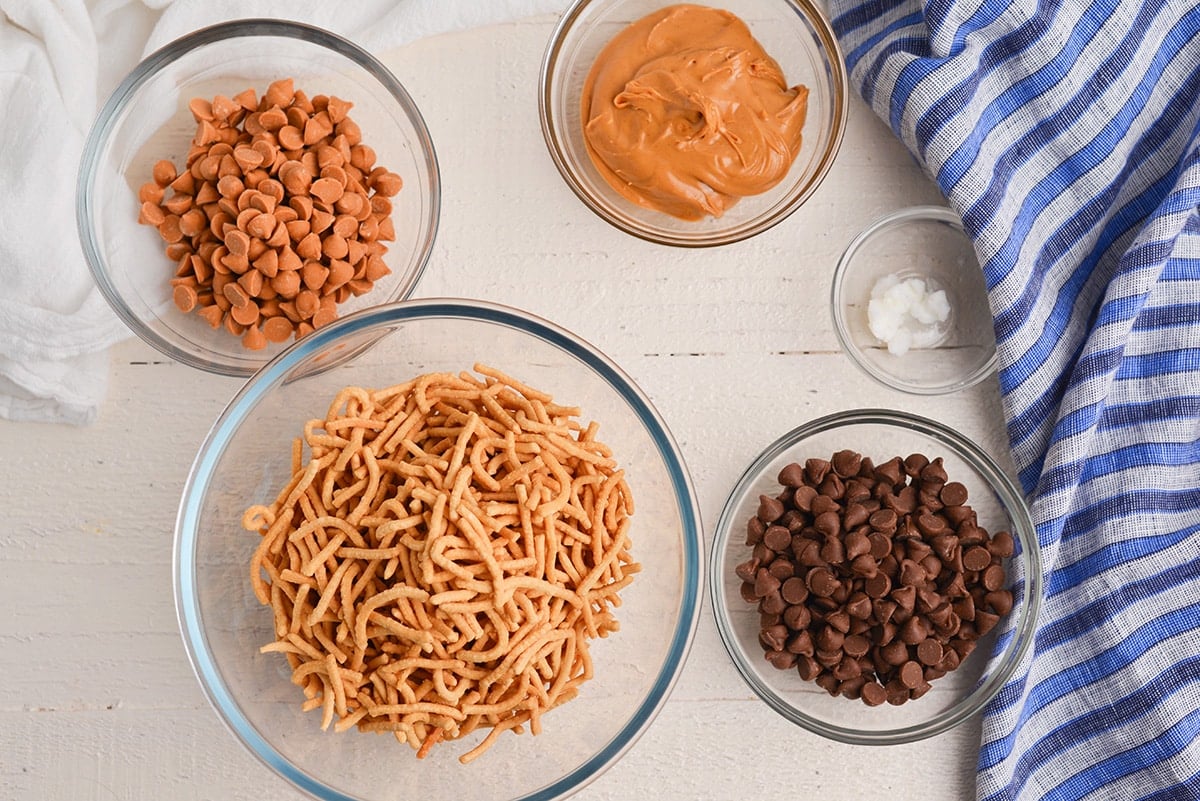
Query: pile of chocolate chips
<point>872,580</point>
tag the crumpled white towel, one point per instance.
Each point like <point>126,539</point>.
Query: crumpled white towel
<point>58,63</point>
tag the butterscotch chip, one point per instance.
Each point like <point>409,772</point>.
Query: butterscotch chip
<point>286,283</point>
<point>251,281</point>
<point>151,214</point>
<point>309,247</point>
<point>317,128</point>
<point>247,158</point>
<point>246,314</point>
<point>387,230</point>
<point>320,220</point>
<point>376,269</point>
<point>193,222</point>
<point>288,259</point>
<point>362,157</point>
<point>307,303</point>
<point>177,204</point>
<point>339,273</point>
<point>369,228</point>
<point>164,172</point>
<point>150,192</point>
<point>236,263</point>
<point>314,274</point>
<point>212,315</point>
<point>223,108</point>
<point>277,329</point>
<point>169,229</point>
<point>280,93</point>
<point>388,184</point>
<point>291,137</point>
<point>185,298</point>
<point>236,295</point>
<point>272,120</point>
<point>261,225</point>
<point>344,225</point>
<point>359,286</point>
<point>268,263</point>
<point>327,190</point>
<point>323,317</point>
<point>254,339</point>
<point>334,246</point>
<point>244,213</point>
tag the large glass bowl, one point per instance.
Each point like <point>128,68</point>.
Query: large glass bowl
<point>952,699</point>
<point>147,119</point>
<point>796,33</point>
<point>247,458</point>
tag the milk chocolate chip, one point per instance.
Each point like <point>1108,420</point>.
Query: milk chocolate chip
<point>872,581</point>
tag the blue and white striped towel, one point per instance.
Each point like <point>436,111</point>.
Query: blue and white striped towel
<point>1067,135</point>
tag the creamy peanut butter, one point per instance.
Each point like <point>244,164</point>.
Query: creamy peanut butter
<point>685,113</point>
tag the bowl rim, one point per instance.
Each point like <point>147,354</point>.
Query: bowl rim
<point>909,214</point>
<point>106,122</point>
<point>190,617</point>
<point>1010,648</point>
<point>837,73</point>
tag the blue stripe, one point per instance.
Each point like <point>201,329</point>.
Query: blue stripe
<point>1137,705</point>
<point>936,12</point>
<point>909,21</point>
<point>871,77</point>
<point>1152,365</point>
<point>1106,663</point>
<point>1141,454</point>
<point>1066,577</point>
<point>1166,410</point>
<point>1084,521</point>
<point>863,15</point>
<point>1188,788</point>
<point>1177,315</point>
<point>1165,745</point>
<point>1135,413</point>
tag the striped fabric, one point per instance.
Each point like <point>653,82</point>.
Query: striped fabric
<point>1066,133</point>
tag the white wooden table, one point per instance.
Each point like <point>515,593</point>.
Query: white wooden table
<point>733,345</point>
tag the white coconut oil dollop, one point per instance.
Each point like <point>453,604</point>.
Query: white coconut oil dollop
<point>907,312</point>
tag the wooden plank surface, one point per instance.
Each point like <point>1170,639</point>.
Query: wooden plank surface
<point>733,345</point>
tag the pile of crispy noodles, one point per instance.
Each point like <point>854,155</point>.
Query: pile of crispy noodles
<point>442,559</point>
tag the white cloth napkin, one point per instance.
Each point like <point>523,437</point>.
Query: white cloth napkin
<point>58,63</point>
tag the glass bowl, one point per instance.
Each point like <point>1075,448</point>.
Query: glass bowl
<point>147,119</point>
<point>795,33</point>
<point>926,243</point>
<point>247,458</point>
<point>948,700</point>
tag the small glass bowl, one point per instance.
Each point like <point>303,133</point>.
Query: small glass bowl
<point>246,458</point>
<point>925,242</point>
<point>147,119</point>
<point>952,699</point>
<point>796,33</point>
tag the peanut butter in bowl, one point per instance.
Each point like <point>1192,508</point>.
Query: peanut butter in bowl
<point>685,113</point>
